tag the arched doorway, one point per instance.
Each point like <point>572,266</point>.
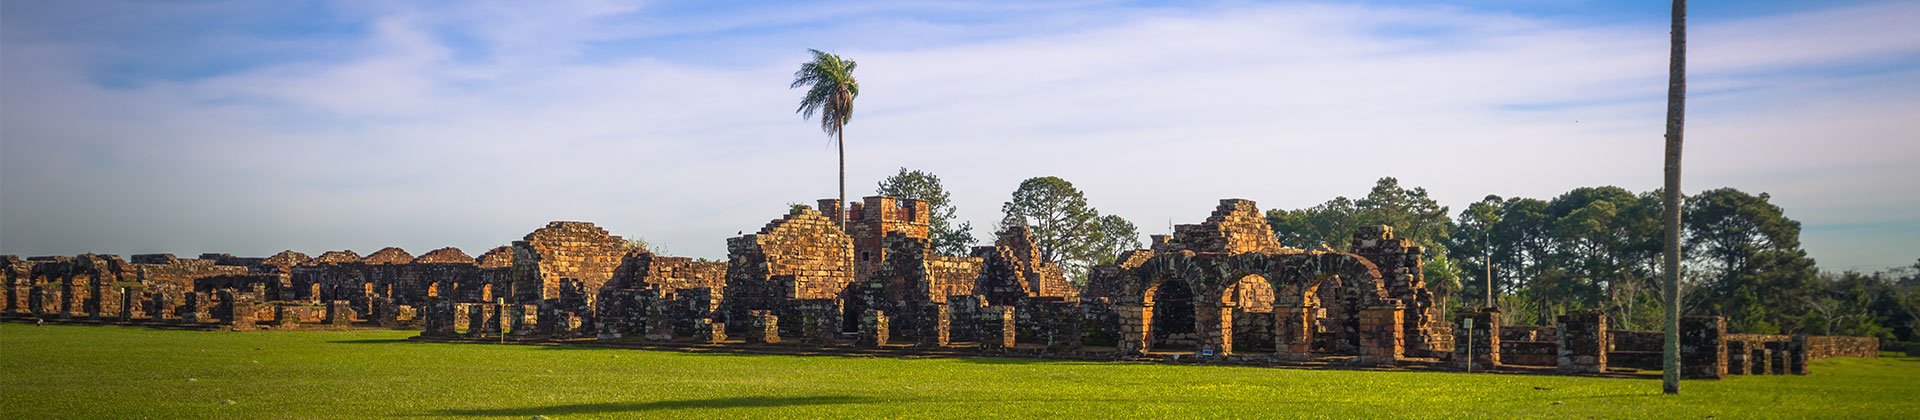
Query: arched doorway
<point>1250,303</point>
<point>1173,325</point>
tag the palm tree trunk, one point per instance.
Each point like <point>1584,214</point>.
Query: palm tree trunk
<point>841,140</point>
<point>1676,116</point>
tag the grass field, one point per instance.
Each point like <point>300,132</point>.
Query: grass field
<point>100,372</point>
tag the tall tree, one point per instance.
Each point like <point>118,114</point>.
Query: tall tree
<point>1471,247</point>
<point>1411,213</point>
<point>1065,229</point>
<point>1749,257</point>
<point>1676,118</point>
<point>947,238</point>
<point>830,93</point>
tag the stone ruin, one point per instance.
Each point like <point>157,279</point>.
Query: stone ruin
<point>1223,289</point>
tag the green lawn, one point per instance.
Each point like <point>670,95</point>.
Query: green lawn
<point>99,372</point>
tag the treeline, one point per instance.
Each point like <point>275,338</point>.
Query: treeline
<point>1599,248</point>
<point>1589,248</point>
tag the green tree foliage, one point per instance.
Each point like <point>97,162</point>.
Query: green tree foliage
<point>947,238</point>
<point>1748,253</point>
<point>1600,248</point>
<point>1410,212</point>
<point>1065,229</point>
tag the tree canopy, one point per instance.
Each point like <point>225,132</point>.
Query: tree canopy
<point>1066,230</point>
<point>947,238</point>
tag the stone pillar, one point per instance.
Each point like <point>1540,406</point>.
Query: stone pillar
<point>997,328</point>
<point>522,319</point>
<point>764,327</point>
<point>195,310</point>
<point>658,325</point>
<point>1217,324</point>
<point>1380,334</point>
<point>240,308</point>
<point>1779,358</point>
<point>1583,341</point>
<point>126,306</point>
<point>1064,335</point>
<point>339,312</point>
<point>1738,355</point>
<point>936,329</point>
<point>387,314</point>
<point>495,323</point>
<point>1484,341</point>
<point>1136,329</point>
<point>1761,360</point>
<point>284,318</point>
<point>1797,355</point>
<point>1292,332</point>
<point>438,321</point>
<point>157,309</point>
<point>707,331</point>
<point>1703,347</point>
<point>873,328</point>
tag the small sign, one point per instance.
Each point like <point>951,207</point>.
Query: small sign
<point>1206,352</point>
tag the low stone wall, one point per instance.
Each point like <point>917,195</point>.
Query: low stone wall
<point>1830,346</point>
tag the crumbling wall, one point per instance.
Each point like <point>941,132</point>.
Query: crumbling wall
<point>803,256</point>
<point>1830,346</point>
<point>564,250</point>
<point>1012,270</point>
<point>871,221</point>
<point>1400,266</point>
<point>172,278</point>
<point>15,275</point>
<point>1236,226</point>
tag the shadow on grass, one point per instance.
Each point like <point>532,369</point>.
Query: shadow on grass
<point>638,407</point>
<point>373,341</point>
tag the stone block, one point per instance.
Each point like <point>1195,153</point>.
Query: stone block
<point>874,328</point>
<point>1583,338</point>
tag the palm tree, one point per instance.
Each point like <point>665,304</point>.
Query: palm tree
<point>830,93</point>
<point>1676,116</point>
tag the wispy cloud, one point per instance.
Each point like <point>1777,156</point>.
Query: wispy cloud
<point>430,125</point>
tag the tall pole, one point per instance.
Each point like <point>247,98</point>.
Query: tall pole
<point>1486,245</point>
<point>1676,116</point>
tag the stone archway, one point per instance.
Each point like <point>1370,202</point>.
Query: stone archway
<point>1174,323</point>
<point>1247,314</point>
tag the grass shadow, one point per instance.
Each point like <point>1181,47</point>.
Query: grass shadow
<point>373,341</point>
<point>639,407</point>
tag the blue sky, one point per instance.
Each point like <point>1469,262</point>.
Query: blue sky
<point>252,127</point>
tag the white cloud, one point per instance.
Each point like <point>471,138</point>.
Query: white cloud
<point>1155,113</point>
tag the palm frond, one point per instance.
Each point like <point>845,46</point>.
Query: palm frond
<point>826,77</point>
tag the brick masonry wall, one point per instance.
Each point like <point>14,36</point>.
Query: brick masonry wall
<point>1830,346</point>
<point>801,256</point>
<point>564,250</point>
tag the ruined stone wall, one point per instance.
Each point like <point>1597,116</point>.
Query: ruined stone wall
<point>1831,346</point>
<point>172,279</point>
<point>1236,226</point>
<point>564,250</point>
<point>393,277</point>
<point>803,256</point>
<point>1400,263</point>
<point>282,263</point>
<point>1012,270</point>
<point>642,269</point>
<point>15,275</point>
<point>445,272</point>
<point>871,221</point>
